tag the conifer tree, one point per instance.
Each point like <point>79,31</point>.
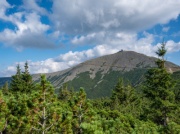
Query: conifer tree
<point>19,119</point>
<point>64,93</point>
<point>46,113</point>
<point>28,84</point>
<point>81,111</point>
<point>158,89</point>
<point>122,95</point>
<point>16,82</point>
<point>22,81</point>
<point>19,102</point>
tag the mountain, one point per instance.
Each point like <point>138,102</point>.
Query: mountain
<point>99,76</point>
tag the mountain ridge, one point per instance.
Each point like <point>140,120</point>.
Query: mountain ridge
<point>120,61</point>
<point>99,75</point>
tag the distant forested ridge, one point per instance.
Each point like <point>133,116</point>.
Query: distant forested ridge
<point>3,80</point>
<point>152,107</point>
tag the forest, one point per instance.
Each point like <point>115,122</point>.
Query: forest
<point>28,107</point>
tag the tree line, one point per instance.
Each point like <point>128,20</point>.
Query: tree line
<point>27,107</point>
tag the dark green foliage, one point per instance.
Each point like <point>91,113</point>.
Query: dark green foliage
<point>102,87</point>
<point>64,93</point>
<point>159,85</point>
<point>5,88</point>
<point>19,118</point>
<point>3,113</point>
<point>125,99</point>
<point>123,94</point>
<point>82,112</point>
<point>28,84</point>
<point>22,81</point>
<point>16,82</point>
<point>45,116</point>
<point>35,108</point>
<point>176,77</point>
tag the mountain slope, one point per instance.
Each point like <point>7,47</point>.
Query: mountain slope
<point>98,76</point>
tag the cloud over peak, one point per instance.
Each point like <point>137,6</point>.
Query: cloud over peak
<point>85,16</point>
<point>99,27</point>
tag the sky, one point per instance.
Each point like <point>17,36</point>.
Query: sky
<point>53,35</point>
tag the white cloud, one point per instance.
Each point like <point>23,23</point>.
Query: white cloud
<point>93,38</point>
<point>114,23</point>
<point>10,70</point>
<point>88,21</point>
<point>108,26</point>
<point>3,7</point>
<point>46,66</point>
<point>70,59</point>
<point>29,32</point>
<point>172,46</point>
<point>120,40</point>
<point>33,6</point>
<point>89,16</point>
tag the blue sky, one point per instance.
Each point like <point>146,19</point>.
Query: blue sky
<point>53,35</point>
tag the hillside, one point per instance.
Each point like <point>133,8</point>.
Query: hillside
<point>98,76</point>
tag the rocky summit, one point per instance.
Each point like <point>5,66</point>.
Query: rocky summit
<point>98,76</point>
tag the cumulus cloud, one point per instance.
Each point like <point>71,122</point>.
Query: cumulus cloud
<point>29,31</point>
<point>71,59</point>
<point>172,46</point>
<point>10,70</point>
<point>114,23</point>
<point>108,26</point>
<point>89,21</point>
<point>33,6</point>
<point>92,38</point>
<point>120,40</point>
<point>3,7</point>
<point>46,66</point>
<point>89,16</point>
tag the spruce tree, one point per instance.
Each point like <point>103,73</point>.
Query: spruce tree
<point>46,111</point>
<point>64,93</point>
<point>22,81</point>
<point>122,95</point>
<point>28,84</point>
<point>159,85</point>
<point>16,81</point>
<point>81,111</point>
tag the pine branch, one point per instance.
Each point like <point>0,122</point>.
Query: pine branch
<point>49,127</point>
<point>40,123</point>
<point>36,129</point>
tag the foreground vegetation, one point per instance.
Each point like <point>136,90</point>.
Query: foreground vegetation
<point>26,107</point>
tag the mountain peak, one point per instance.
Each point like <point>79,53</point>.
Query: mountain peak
<point>122,61</point>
